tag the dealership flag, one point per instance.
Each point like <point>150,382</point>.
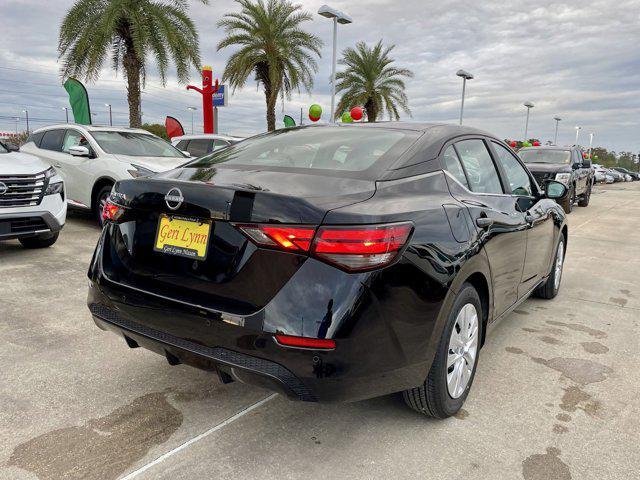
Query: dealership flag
<point>79,100</point>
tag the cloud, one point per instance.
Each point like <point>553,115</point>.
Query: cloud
<point>578,60</point>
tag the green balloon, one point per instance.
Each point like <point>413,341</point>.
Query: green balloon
<point>315,111</point>
<point>526,144</point>
<point>346,117</point>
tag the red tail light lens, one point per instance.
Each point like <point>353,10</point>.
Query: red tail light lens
<point>285,237</point>
<point>111,212</point>
<point>352,248</point>
<point>306,342</point>
<point>361,248</point>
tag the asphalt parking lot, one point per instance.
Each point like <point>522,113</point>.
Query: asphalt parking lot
<point>556,395</point>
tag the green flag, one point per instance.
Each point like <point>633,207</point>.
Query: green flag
<point>289,122</point>
<point>79,100</point>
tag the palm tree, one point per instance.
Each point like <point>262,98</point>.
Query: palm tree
<point>272,47</point>
<point>370,80</point>
<point>126,31</point>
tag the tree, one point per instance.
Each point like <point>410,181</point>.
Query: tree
<point>371,80</point>
<point>157,129</point>
<point>273,47</point>
<point>126,32</point>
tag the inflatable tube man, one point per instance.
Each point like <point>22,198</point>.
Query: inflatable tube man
<point>207,91</point>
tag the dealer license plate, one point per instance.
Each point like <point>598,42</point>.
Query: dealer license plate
<point>183,236</point>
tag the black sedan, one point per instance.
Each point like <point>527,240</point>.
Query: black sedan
<point>331,263</point>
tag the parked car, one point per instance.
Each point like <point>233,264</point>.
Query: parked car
<point>32,200</point>
<point>617,176</point>
<point>633,175</point>
<point>564,164</point>
<point>91,159</point>
<point>332,263</point>
<point>200,145</point>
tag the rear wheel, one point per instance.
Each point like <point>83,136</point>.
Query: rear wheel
<point>584,201</point>
<point>551,287</point>
<point>41,241</point>
<point>447,385</point>
<point>100,201</point>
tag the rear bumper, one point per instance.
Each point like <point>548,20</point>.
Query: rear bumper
<point>178,350</point>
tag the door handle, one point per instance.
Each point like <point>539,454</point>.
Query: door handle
<point>57,165</point>
<point>484,222</point>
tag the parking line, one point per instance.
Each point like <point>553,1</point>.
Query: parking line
<point>184,445</point>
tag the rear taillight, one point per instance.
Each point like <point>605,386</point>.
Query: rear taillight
<point>111,212</point>
<point>306,342</point>
<point>352,248</point>
<point>282,237</point>
<point>361,248</point>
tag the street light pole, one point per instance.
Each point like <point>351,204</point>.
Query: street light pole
<point>192,110</point>
<point>27,115</point>
<point>465,76</point>
<point>66,113</point>
<point>577,134</point>
<point>337,17</point>
<point>110,117</point>
<point>555,140</point>
<point>590,144</point>
<point>529,106</point>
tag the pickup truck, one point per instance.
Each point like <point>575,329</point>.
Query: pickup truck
<point>563,164</point>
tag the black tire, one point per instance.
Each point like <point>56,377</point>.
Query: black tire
<point>432,398</point>
<point>567,202</point>
<point>41,241</point>
<point>98,203</point>
<point>549,290</point>
<point>586,196</point>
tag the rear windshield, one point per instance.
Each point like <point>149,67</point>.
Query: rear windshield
<point>135,144</point>
<point>348,149</point>
<point>545,156</point>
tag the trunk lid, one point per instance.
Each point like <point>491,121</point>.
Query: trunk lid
<point>236,276</point>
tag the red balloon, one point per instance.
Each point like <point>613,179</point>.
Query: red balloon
<point>313,119</point>
<point>513,144</point>
<point>356,113</point>
<point>536,144</point>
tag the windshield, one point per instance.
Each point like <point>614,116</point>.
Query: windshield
<point>135,144</point>
<point>348,149</point>
<point>545,156</point>
<point>3,149</point>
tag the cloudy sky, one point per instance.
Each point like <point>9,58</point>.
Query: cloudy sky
<point>577,60</point>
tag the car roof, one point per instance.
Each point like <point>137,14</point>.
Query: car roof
<point>551,147</point>
<point>93,128</point>
<point>209,136</point>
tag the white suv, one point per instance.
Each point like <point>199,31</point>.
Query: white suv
<point>32,200</point>
<point>91,159</point>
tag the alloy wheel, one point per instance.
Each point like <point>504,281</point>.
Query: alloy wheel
<point>558,266</point>
<point>463,350</point>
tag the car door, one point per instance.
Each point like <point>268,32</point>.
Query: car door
<point>501,227</point>
<point>579,172</point>
<point>540,235</point>
<point>79,170</point>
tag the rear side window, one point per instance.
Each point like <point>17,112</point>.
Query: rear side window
<point>220,144</point>
<point>453,166</point>
<point>52,140</point>
<point>198,147</point>
<point>478,165</point>
<point>182,145</point>
<point>517,176</point>
<point>35,138</point>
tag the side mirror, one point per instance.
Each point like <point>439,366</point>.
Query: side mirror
<point>586,164</point>
<point>576,165</point>
<point>79,151</point>
<point>555,190</point>
<point>184,152</point>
